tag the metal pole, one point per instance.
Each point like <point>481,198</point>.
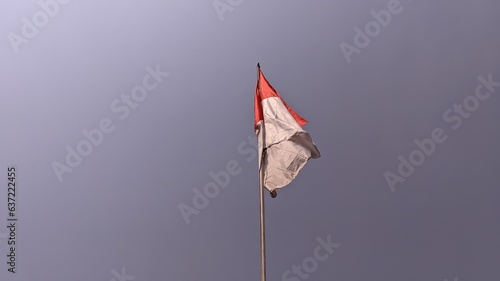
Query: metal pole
<point>261,196</point>
<point>262,231</point>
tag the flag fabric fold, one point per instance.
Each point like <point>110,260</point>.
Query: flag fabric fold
<point>284,147</point>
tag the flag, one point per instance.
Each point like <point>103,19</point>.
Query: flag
<point>284,147</point>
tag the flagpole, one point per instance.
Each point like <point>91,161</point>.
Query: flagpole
<point>262,231</point>
<point>262,222</point>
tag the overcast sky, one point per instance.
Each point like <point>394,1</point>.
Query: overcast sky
<point>130,127</point>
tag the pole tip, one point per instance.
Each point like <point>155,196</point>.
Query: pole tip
<point>258,65</point>
<point>274,194</point>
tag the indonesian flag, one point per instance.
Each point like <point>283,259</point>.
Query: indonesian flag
<point>284,147</point>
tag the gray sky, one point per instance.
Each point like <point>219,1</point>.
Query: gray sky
<point>115,114</point>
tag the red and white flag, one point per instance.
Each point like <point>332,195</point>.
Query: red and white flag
<point>284,147</point>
